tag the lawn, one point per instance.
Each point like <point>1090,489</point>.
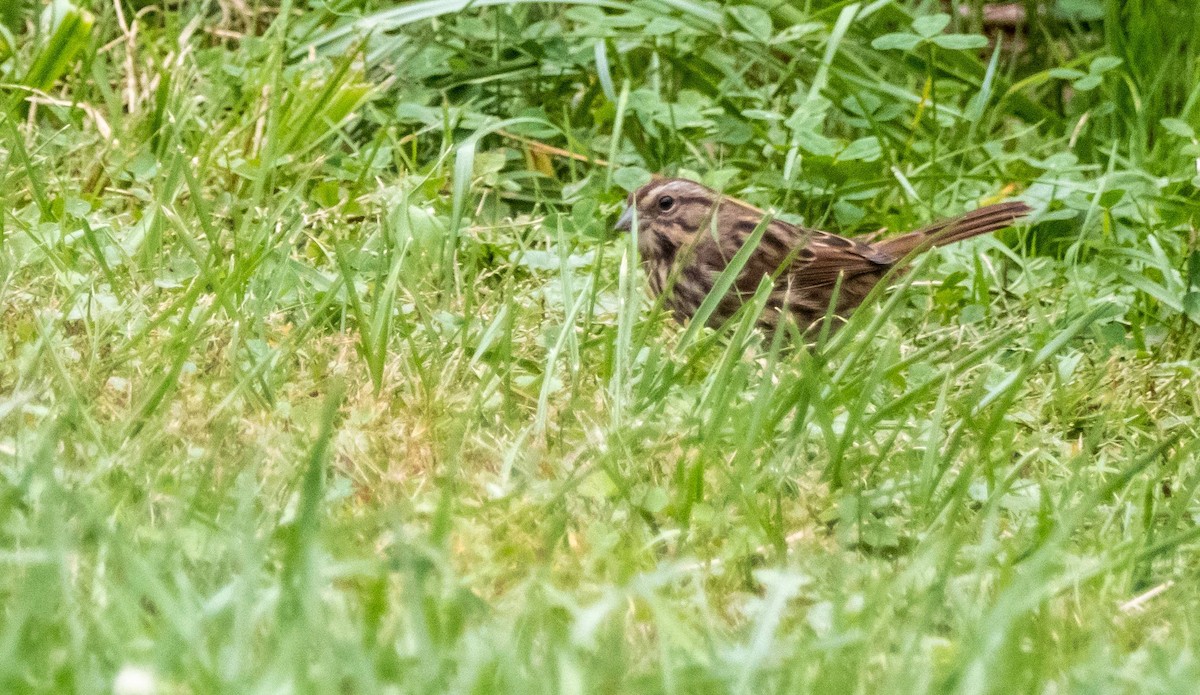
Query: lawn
<point>324,371</point>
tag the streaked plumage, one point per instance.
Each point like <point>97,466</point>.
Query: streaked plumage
<point>684,250</point>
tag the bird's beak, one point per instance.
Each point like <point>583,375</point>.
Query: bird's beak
<point>625,223</point>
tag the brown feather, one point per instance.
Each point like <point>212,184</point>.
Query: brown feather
<point>986,219</point>
<point>687,235</point>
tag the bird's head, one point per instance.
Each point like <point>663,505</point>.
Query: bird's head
<point>665,203</point>
<point>670,212</point>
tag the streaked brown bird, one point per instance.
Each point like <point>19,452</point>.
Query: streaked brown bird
<point>688,233</point>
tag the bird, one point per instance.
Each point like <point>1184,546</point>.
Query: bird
<point>688,233</point>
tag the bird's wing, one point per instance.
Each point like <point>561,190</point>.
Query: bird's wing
<point>833,255</point>
<point>797,255</point>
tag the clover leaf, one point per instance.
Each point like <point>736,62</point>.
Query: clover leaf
<point>929,29</point>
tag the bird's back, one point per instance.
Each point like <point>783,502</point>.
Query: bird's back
<point>809,266</point>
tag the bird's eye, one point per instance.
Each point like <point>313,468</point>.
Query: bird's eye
<point>666,203</point>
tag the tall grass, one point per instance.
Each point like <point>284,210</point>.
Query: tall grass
<point>324,373</point>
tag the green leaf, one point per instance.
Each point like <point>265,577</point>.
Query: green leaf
<point>1080,10</point>
<point>762,115</point>
<point>604,72</point>
<point>661,26</point>
<point>816,143</point>
<point>7,43</point>
<point>1193,274</point>
<point>597,485</point>
<point>1066,73</point>
<point>959,42</point>
<point>655,500</point>
<point>972,313</point>
<point>863,149</point>
<point>1111,197</point>
<point>1104,64</point>
<point>732,130</point>
<point>1087,83</point>
<point>899,41</point>
<point>631,178</point>
<point>847,214</point>
<point>1191,306</point>
<point>931,25</point>
<point>754,20</point>
<point>1178,127</point>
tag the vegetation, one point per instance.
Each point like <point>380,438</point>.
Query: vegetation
<point>324,373</point>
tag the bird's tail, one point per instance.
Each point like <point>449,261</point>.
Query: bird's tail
<point>986,219</point>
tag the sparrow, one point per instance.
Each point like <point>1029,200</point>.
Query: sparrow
<point>688,233</point>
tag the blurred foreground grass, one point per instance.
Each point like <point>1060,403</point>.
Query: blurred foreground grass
<point>322,372</point>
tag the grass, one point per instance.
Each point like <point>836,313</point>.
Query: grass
<point>322,372</point>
